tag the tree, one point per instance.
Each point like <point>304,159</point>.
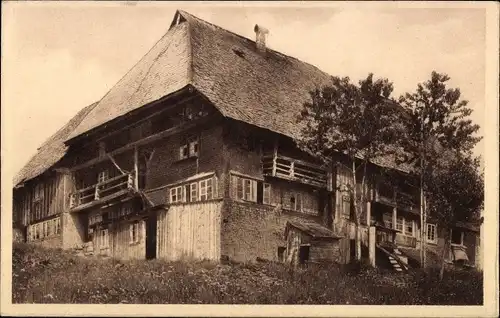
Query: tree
<point>455,194</point>
<point>353,121</point>
<point>437,123</point>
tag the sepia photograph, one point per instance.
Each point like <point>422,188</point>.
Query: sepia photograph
<point>341,154</point>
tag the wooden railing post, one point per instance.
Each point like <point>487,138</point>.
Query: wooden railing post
<point>96,194</point>
<point>292,167</point>
<point>130,181</point>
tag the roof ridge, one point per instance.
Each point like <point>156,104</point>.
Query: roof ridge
<point>251,41</point>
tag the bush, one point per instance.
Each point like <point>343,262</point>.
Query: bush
<point>53,276</point>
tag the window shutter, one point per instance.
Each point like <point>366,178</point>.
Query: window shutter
<point>260,192</point>
<point>233,187</point>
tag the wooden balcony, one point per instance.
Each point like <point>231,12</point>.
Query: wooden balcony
<point>279,166</point>
<point>400,200</point>
<point>405,240</point>
<point>102,192</point>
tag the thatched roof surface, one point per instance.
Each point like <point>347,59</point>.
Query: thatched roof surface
<point>267,90</point>
<point>52,150</point>
<point>263,89</point>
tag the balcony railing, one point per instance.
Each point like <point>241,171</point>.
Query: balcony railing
<point>103,190</point>
<point>405,240</point>
<point>294,169</point>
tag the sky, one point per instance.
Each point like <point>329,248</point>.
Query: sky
<point>60,57</point>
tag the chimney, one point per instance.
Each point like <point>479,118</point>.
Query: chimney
<point>260,37</point>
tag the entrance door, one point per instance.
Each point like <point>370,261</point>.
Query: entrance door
<point>151,236</point>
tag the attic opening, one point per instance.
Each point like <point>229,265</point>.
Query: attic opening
<point>239,52</point>
<point>178,19</point>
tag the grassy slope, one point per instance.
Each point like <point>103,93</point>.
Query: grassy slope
<point>54,276</point>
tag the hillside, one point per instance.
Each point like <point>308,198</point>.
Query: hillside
<point>54,276</point>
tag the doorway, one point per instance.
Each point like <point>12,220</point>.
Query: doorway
<point>151,236</point>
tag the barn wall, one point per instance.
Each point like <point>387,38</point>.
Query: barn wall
<point>251,230</point>
<point>325,251</point>
<point>119,241</point>
<point>190,231</point>
<point>165,166</point>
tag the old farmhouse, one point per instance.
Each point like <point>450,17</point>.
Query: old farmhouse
<point>192,155</point>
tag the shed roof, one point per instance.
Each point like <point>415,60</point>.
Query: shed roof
<point>313,229</point>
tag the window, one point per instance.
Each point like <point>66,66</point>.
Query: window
<point>95,218</point>
<point>408,227</point>
<point>266,198</point>
<point>457,237</point>
<point>346,206</point>
<point>296,201</point>
<point>103,176</point>
<point>177,195</point>
<point>246,189</point>
<point>431,233</point>
<point>125,209</point>
<point>189,148</point>
<point>205,189</point>
<point>400,224</point>
<point>134,232</point>
<point>103,239</point>
<point>44,229</point>
<point>194,191</point>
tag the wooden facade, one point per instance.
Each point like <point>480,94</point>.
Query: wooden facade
<point>190,231</point>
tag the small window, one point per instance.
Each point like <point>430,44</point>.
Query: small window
<point>296,201</point>
<point>189,148</point>
<point>399,224</point>
<point>431,233</point>
<point>409,227</point>
<point>103,176</point>
<point>457,237</point>
<point>194,191</point>
<point>244,189</point>
<point>134,232</point>
<point>177,194</point>
<point>266,197</point>
<point>103,239</point>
